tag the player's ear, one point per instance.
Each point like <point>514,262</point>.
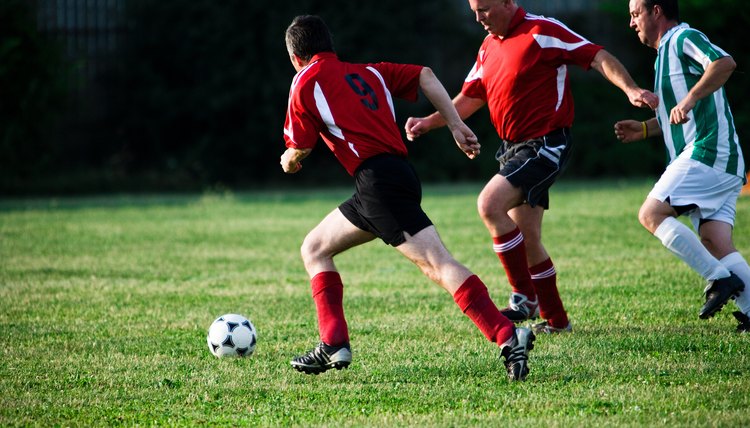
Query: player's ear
<point>297,62</point>
<point>657,11</point>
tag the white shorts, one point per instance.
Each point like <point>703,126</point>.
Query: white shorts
<point>710,194</point>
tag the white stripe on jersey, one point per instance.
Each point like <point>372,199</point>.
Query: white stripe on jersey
<point>288,131</point>
<point>476,73</point>
<point>562,72</point>
<point>531,17</point>
<point>680,90</point>
<point>351,147</point>
<point>722,128</point>
<point>385,88</point>
<point>692,51</point>
<point>325,112</point>
<point>546,42</point>
<point>506,246</point>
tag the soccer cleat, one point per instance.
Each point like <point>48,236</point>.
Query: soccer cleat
<point>744,326</point>
<point>546,328</point>
<point>520,308</point>
<point>323,357</point>
<point>516,353</point>
<point>718,293</point>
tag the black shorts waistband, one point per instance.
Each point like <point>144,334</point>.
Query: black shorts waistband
<point>380,157</point>
<point>557,133</point>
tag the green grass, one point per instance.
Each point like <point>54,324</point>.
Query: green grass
<point>105,303</point>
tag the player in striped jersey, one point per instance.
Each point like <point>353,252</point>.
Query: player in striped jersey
<point>706,169</point>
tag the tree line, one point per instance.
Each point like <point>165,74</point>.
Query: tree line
<point>195,94</point>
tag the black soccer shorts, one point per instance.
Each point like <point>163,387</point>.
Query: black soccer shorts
<point>387,201</point>
<point>534,165</point>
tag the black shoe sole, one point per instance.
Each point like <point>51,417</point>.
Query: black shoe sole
<point>707,313</point>
<point>318,370</point>
<point>516,316</point>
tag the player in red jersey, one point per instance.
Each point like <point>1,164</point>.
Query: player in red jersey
<point>521,74</point>
<point>350,106</point>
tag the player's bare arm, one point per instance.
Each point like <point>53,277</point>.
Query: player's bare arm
<point>716,75</point>
<point>438,96</point>
<point>291,159</point>
<point>629,131</point>
<point>465,106</point>
<point>613,70</point>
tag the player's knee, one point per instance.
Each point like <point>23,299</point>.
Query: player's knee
<point>311,249</point>
<point>708,242</point>
<point>487,210</point>
<point>645,217</point>
<point>717,246</point>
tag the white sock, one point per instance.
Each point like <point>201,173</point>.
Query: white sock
<point>737,264</point>
<point>683,243</point>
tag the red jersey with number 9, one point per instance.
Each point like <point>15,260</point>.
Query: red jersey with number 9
<point>350,106</point>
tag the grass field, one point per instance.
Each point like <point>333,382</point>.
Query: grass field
<point>105,303</point>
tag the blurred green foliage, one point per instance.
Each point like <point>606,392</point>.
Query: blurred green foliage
<point>33,89</point>
<point>196,95</point>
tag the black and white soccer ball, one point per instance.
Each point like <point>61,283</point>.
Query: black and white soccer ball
<point>232,335</point>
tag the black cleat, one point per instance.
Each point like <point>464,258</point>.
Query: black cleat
<point>516,353</point>
<point>520,308</point>
<point>718,292</point>
<point>323,357</point>
<point>744,326</point>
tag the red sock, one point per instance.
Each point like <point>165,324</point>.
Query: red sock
<point>328,293</point>
<point>551,307</point>
<point>511,250</point>
<point>474,300</point>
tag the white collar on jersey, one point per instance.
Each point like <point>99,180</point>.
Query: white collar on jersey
<point>670,33</point>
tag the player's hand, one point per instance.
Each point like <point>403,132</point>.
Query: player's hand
<point>679,113</point>
<point>415,127</point>
<point>643,98</point>
<point>628,131</point>
<point>288,164</point>
<point>466,140</point>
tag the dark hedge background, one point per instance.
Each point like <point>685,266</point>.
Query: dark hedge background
<point>194,97</point>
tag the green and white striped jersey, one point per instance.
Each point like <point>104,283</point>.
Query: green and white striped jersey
<point>709,136</point>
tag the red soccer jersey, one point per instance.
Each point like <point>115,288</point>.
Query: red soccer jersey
<point>350,106</point>
<point>523,76</point>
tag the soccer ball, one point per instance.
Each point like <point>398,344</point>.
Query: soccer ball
<point>232,335</point>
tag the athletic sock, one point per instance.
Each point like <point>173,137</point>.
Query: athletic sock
<point>511,250</point>
<point>328,294</point>
<point>683,243</point>
<point>737,264</point>
<point>544,278</point>
<point>474,300</point>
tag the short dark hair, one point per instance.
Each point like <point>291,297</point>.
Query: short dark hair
<point>671,8</point>
<point>308,35</point>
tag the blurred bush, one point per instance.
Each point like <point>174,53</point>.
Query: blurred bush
<point>33,96</point>
<point>196,94</point>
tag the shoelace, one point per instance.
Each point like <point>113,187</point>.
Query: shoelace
<point>317,355</point>
<point>516,354</point>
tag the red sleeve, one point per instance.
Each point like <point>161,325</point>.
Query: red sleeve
<point>401,79</point>
<point>302,126</point>
<point>473,86</point>
<point>569,47</point>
